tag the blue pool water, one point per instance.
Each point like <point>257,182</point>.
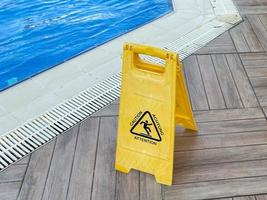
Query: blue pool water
<point>39,34</point>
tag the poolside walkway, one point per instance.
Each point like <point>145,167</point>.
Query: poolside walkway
<point>227,82</point>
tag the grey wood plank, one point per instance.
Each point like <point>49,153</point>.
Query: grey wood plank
<point>260,91</point>
<point>232,126</point>
<point>110,110</point>
<point>83,167</point>
<point>195,84</point>
<point>235,126</point>
<point>254,60</point>
<point>245,198</point>
<point>228,114</point>
<point>260,85</point>
<point>220,155</point>
<point>263,100</point>
<point>220,140</point>
<point>213,91</point>
<point>59,173</point>
<point>265,110</point>
<point>245,39</point>
<point>23,161</point>
<point>259,82</point>
<point>261,197</point>
<point>250,2</point>
<point>242,82</point>
<point>13,173</point>
<point>149,189</point>
<point>230,93</point>
<point>221,44</point>
<point>224,199</point>
<point>257,72</point>
<point>250,36</point>
<point>127,186</point>
<point>253,10</point>
<point>217,189</point>
<point>259,29</point>
<point>105,174</point>
<point>239,39</point>
<point>222,171</point>
<point>263,19</point>
<point>9,191</point>
<point>35,177</point>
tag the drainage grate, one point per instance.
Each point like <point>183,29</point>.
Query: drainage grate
<point>33,134</point>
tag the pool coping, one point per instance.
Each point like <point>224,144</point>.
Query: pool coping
<point>63,87</point>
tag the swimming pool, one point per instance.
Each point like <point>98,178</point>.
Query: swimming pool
<point>37,35</point>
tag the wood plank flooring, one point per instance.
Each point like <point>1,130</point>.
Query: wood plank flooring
<point>226,159</point>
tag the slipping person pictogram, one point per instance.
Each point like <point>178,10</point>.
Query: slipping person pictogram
<point>146,127</point>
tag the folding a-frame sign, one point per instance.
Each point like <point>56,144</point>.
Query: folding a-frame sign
<point>153,101</point>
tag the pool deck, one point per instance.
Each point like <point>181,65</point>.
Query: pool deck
<point>227,158</point>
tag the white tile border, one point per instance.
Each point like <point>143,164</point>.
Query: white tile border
<point>184,31</point>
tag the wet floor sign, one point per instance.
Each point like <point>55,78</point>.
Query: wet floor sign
<point>153,101</point>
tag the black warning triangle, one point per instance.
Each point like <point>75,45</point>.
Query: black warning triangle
<point>146,127</point>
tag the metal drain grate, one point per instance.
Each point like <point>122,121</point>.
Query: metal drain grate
<point>33,134</point>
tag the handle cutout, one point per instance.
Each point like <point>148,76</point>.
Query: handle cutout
<point>145,62</point>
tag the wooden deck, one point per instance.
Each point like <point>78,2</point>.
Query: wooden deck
<point>227,159</point>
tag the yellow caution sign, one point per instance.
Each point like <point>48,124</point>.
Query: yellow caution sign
<point>153,100</point>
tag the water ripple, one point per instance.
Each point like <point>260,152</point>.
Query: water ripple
<point>39,34</point>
